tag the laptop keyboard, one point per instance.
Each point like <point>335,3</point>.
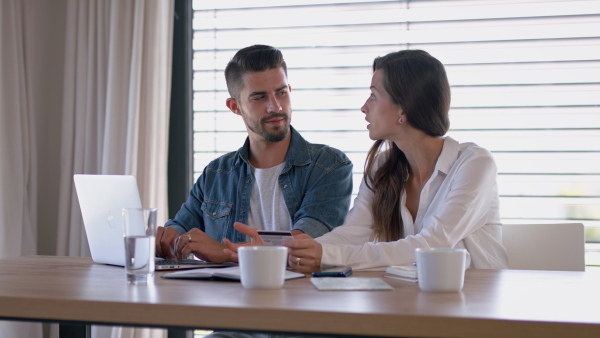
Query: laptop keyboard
<point>182,262</point>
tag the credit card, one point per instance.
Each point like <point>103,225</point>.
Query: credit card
<point>274,237</point>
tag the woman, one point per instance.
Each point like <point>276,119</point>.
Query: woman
<point>421,189</point>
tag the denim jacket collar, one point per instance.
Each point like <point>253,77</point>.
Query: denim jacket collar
<point>297,154</point>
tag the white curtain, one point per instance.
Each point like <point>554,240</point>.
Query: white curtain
<point>18,235</point>
<point>116,103</point>
<point>116,109</point>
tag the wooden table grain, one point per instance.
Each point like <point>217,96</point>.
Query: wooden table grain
<point>493,303</point>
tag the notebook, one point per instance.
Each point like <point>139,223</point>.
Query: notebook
<point>101,199</point>
<point>231,273</point>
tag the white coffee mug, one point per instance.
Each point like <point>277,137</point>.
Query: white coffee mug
<point>441,270</point>
<point>263,267</point>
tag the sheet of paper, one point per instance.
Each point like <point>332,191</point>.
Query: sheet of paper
<point>349,283</point>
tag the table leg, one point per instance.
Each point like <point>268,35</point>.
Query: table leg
<point>179,333</point>
<point>74,331</point>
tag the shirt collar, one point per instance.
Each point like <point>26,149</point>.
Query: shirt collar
<point>448,156</point>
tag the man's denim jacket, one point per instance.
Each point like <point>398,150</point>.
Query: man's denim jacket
<point>316,183</point>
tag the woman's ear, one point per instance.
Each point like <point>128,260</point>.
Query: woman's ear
<point>402,117</point>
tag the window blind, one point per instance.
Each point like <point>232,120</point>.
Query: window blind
<point>525,79</point>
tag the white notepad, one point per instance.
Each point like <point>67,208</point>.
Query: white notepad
<point>349,283</point>
<point>402,272</point>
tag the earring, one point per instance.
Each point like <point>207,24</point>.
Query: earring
<point>400,121</point>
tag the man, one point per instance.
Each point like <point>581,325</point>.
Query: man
<point>275,181</point>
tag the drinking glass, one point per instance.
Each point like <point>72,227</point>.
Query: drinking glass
<point>139,232</point>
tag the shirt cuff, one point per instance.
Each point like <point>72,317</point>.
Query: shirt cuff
<point>331,255</point>
<point>180,230</point>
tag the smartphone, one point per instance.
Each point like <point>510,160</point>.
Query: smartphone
<point>274,237</point>
<point>339,271</point>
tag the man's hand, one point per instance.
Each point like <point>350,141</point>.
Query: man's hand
<point>201,245</point>
<point>165,237</point>
<point>231,248</point>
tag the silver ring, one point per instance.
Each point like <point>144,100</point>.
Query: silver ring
<point>189,237</point>
<point>297,260</point>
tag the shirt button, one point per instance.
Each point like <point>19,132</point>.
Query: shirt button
<point>214,214</point>
<point>285,186</point>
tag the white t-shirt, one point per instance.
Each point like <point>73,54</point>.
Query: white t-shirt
<point>268,210</point>
<point>458,208</point>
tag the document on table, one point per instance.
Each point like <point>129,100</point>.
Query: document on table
<point>350,283</point>
<point>230,273</point>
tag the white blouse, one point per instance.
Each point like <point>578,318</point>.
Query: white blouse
<point>458,208</point>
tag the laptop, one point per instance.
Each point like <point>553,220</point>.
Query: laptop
<point>101,199</point>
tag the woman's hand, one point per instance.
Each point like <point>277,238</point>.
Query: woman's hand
<point>231,248</point>
<point>305,253</point>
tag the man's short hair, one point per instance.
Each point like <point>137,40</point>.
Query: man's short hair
<point>256,58</point>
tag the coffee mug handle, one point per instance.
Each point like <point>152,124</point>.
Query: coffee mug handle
<point>468,260</point>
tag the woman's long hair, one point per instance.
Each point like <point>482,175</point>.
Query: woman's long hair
<point>417,82</point>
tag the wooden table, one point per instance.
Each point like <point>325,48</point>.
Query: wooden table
<point>493,303</point>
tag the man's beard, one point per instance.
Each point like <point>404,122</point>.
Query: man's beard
<point>275,136</point>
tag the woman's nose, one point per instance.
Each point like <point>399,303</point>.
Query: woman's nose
<point>364,108</point>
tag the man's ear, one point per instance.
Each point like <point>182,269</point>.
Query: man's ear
<point>233,105</point>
